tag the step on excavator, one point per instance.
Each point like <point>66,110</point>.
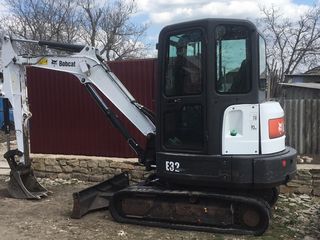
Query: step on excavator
<point>215,147</point>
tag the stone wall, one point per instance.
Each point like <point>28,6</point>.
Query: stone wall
<point>307,180</point>
<point>97,169</point>
<point>94,169</point>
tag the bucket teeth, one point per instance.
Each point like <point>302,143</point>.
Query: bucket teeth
<point>23,184</point>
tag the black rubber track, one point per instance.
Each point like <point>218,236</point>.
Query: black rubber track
<point>236,226</point>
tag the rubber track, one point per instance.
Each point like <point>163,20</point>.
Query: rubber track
<point>147,192</point>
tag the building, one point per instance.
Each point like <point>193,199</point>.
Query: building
<point>301,102</point>
<point>302,86</point>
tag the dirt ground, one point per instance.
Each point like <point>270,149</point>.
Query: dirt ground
<point>295,217</point>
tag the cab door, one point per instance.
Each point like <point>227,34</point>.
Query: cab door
<point>182,95</point>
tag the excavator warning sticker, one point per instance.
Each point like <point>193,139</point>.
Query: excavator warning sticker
<point>43,61</point>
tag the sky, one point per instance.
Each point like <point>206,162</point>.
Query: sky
<point>159,13</point>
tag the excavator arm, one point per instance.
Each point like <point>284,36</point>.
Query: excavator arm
<point>93,73</point>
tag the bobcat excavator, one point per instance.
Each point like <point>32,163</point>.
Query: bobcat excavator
<point>215,147</point>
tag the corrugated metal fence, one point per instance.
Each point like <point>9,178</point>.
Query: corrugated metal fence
<point>66,120</point>
<point>303,124</point>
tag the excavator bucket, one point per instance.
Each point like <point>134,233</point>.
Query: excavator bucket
<point>98,196</point>
<point>23,184</point>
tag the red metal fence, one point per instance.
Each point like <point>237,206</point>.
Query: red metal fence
<point>65,120</point>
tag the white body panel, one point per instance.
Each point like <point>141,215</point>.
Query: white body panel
<point>270,110</point>
<point>243,119</point>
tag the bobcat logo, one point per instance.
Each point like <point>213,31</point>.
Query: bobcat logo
<point>54,62</point>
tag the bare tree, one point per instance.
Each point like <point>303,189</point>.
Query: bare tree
<point>121,38</point>
<point>291,44</point>
<point>109,27</point>
<point>105,25</point>
<point>43,19</point>
<point>91,20</point>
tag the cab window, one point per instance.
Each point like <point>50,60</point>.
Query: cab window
<point>262,63</point>
<point>183,64</point>
<point>232,59</point>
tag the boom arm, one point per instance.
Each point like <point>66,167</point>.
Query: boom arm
<point>88,67</point>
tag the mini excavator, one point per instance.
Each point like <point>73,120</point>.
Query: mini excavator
<point>215,147</point>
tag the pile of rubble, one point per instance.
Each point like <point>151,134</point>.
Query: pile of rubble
<point>58,181</point>
<point>305,159</point>
<point>299,214</point>
<point>306,181</point>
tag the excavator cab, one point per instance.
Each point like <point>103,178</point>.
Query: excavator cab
<point>211,104</point>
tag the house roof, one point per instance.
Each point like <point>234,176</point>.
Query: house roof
<point>302,75</point>
<point>310,73</point>
<point>303,85</point>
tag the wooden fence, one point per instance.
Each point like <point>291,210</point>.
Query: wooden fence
<point>303,124</point>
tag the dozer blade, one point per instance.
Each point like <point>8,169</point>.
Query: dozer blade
<point>23,184</point>
<point>98,196</point>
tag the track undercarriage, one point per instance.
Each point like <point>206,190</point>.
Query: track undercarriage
<point>187,210</point>
<point>158,204</point>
